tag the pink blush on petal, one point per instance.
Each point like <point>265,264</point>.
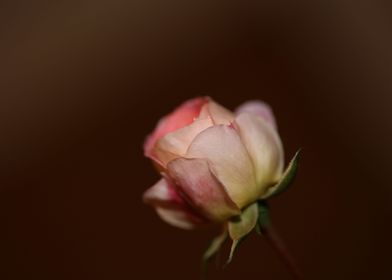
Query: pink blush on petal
<point>181,117</point>
<point>164,195</point>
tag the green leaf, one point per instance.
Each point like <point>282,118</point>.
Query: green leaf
<point>287,178</point>
<point>211,251</point>
<point>263,220</point>
<point>240,226</point>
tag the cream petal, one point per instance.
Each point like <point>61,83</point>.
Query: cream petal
<point>264,146</point>
<point>175,144</point>
<point>162,193</point>
<point>202,189</point>
<point>229,161</point>
<point>258,108</point>
<point>218,113</point>
<point>171,207</point>
<point>176,218</point>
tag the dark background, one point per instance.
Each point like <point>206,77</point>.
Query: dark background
<point>82,83</point>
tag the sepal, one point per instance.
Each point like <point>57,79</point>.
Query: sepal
<point>240,226</point>
<point>287,178</point>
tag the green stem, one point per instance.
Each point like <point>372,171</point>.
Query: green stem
<point>280,248</point>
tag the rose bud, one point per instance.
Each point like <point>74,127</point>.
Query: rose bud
<point>214,163</point>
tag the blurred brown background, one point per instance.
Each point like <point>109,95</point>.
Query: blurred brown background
<point>82,83</point>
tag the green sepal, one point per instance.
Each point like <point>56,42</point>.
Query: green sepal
<point>239,227</point>
<point>287,178</point>
<point>263,220</point>
<point>234,247</point>
<point>211,251</point>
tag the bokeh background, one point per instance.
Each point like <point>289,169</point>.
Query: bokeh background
<point>83,82</point>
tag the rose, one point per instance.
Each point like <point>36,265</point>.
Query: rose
<point>213,162</point>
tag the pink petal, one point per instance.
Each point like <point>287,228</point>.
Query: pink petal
<point>230,162</point>
<point>162,193</point>
<point>264,146</point>
<point>171,207</point>
<point>258,108</point>
<point>176,217</point>
<point>182,116</point>
<point>176,143</point>
<point>218,113</point>
<point>202,189</point>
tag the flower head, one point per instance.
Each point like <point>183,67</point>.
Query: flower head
<point>213,162</point>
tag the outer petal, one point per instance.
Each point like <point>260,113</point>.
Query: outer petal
<point>264,146</point>
<point>230,162</point>
<point>182,116</point>
<point>163,193</point>
<point>171,207</point>
<point>218,113</point>
<point>176,143</point>
<point>258,108</point>
<point>176,218</point>
<point>204,191</point>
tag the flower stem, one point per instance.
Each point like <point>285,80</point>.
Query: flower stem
<point>277,244</point>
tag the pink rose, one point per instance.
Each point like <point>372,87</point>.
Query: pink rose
<point>213,162</point>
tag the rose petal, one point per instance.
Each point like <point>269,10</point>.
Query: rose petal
<point>162,193</point>
<point>176,143</point>
<point>258,108</point>
<point>204,191</point>
<point>230,162</point>
<point>218,113</point>
<point>176,217</point>
<point>264,146</point>
<point>171,207</point>
<point>182,116</point>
